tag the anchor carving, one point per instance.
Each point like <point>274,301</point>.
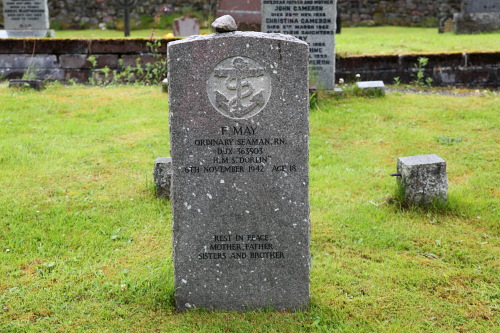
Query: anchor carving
<point>236,80</point>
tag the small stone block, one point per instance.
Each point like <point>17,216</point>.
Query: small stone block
<point>162,175</point>
<point>372,86</point>
<point>339,92</point>
<point>34,84</point>
<point>423,178</point>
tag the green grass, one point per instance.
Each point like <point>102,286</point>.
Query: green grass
<point>403,40</point>
<point>85,245</point>
<point>359,41</point>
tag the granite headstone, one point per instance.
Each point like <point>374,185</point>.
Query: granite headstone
<point>310,21</point>
<point>26,18</point>
<point>239,145</point>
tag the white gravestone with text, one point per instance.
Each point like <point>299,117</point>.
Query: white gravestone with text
<point>312,21</point>
<point>26,18</point>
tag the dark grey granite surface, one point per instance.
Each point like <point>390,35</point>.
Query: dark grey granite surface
<point>239,145</point>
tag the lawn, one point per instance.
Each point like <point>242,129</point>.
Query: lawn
<point>359,41</point>
<point>86,246</point>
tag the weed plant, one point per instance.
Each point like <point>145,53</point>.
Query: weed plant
<point>86,246</point>
<point>151,73</point>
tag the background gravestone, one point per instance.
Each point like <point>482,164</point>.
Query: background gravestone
<point>239,146</point>
<point>26,18</point>
<point>310,21</point>
<point>186,26</point>
<point>477,16</point>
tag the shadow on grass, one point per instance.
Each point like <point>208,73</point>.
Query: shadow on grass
<point>450,207</point>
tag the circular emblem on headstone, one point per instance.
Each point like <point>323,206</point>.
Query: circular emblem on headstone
<point>239,87</point>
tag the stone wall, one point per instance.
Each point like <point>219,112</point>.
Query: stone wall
<point>90,13</point>
<point>66,59</point>
<point>396,12</point>
<point>74,14</point>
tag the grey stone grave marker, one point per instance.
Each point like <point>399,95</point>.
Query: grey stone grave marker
<point>186,26</point>
<point>423,178</point>
<point>310,21</point>
<point>239,145</point>
<point>162,175</point>
<point>26,18</point>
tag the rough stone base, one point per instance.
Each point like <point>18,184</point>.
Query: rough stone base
<point>34,84</point>
<point>27,33</point>
<point>474,23</point>
<point>423,179</point>
<point>162,175</point>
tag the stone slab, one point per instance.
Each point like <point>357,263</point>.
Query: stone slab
<point>239,145</point>
<point>33,84</point>
<point>372,87</point>
<point>480,6</point>
<point>27,33</point>
<point>423,178</point>
<point>313,22</point>
<point>26,15</point>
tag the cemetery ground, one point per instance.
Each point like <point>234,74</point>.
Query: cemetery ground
<point>86,246</point>
<point>357,41</point>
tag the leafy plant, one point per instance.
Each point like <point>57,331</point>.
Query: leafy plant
<point>313,100</point>
<point>31,72</point>
<point>151,73</point>
<point>420,76</point>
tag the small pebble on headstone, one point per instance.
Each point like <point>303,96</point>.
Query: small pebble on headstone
<point>225,23</point>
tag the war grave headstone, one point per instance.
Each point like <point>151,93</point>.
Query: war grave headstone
<point>239,135</point>
<point>186,26</point>
<point>312,22</point>
<point>477,16</point>
<point>26,18</point>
